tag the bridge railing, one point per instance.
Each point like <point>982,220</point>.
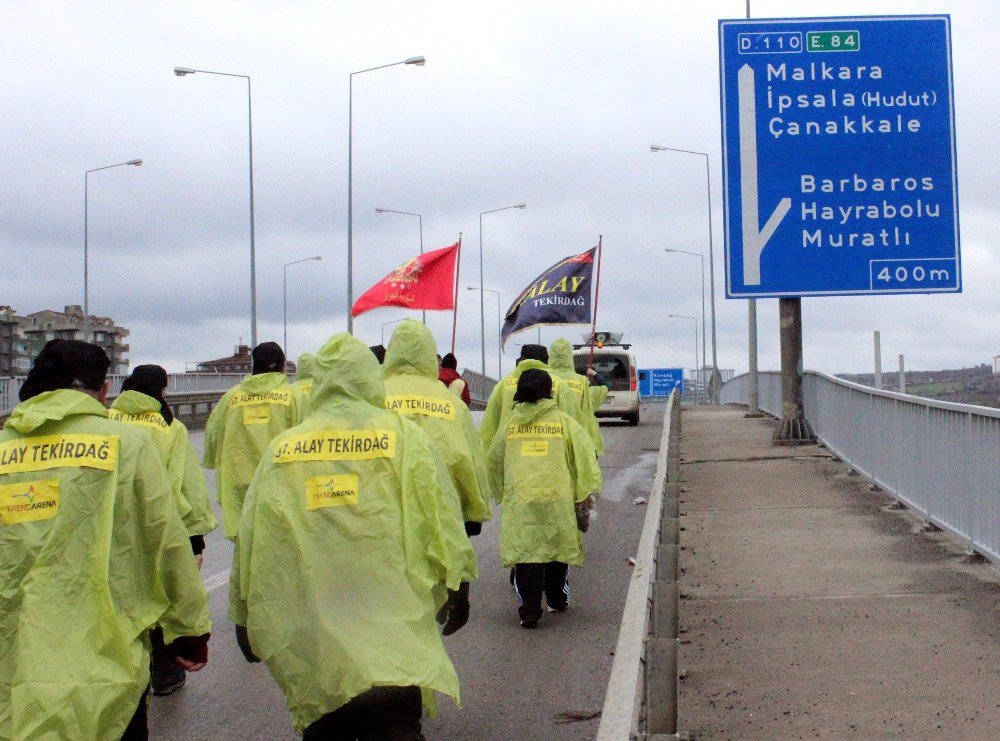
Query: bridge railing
<point>938,458</point>
<point>641,699</point>
<point>480,387</point>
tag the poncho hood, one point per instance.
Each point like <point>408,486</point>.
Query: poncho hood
<point>136,402</point>
<point>346,369</point>
<point>411,350</point>
<point>263,382</point>
<point>306,366</point>
<point>561,358</point>
<point>52,405</point>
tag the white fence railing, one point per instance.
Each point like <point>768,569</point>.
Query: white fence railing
<point>177,383</point>
<point>940,459</point>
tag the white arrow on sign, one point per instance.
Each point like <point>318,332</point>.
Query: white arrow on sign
<point>753,240</point>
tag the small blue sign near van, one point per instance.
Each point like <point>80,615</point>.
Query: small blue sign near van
<point>660,381</point>
<point>839,165</point>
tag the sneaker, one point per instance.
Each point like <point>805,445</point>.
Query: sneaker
<point>550,608</point>
<point>168,682</point>
<point>529,623</point>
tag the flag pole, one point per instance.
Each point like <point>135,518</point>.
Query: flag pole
<point>597,294</point>
<point>458,267</point>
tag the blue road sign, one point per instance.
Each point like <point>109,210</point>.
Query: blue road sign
<point>838,139</point>
<point>660,381</point>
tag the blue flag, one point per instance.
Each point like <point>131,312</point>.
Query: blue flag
<point>560,295</point>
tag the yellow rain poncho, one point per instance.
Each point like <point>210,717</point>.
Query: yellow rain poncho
<point>183,469</point>
<point>542,465</point>
<point>239,429</point>
<point>561,362</point>
<point>502,400</point>
<point>412,389</point>
<point>344,540</point>
<point>92,553</point>
<point>304,375</point>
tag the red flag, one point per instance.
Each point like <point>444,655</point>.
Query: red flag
<point>425,282</point>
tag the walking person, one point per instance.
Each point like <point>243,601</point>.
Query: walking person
<point>411,389</point>
<point>141,404</point>
<point>501,401</point>
<point>561,363</point>
<point>346,548</point>
<point>448,375</point>
<point>244,422</point>
<point>92,554</point>
<point>545,475</point>
<point>304,376</point>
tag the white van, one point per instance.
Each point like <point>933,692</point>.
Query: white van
<point>616,363</point>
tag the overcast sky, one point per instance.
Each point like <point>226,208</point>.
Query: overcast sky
<point>554,104</point>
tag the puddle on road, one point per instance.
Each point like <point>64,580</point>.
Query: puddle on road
<point>624,482</point>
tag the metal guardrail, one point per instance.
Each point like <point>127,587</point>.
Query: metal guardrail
<point>480,387</point>
<point>641,700</point>
<point>939,458</point>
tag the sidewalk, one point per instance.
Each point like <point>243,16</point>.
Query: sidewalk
<point>813,611</point>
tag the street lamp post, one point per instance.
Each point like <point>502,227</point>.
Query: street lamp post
<point>284,295</point>
<point>415,61</point>
<point>423,314</point>
<point>86,230</point>
<point>499,329</point>
<point>482,291</point>
<point>386,324</point>
<point>181,72</point>
<point>711,261</point>
<point>697,391</point>
<point>702,258</point>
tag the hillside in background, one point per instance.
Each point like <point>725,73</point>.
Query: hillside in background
<point>975,385</point>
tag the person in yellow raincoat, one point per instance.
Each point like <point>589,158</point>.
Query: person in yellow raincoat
<point>561,363</point>
<point>501,400</point>
<point>346,537</point>
<point>240,427</point>
<point>544,473</point>
<point>412,389</point>
<point>304,376</point>
<point>92,553</point>
<point>141,403</point>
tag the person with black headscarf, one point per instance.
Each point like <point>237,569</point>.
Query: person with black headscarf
<point>501,401</point>
<point>93,554</point>
<point>545,474</point>
<point>141,403</point>
<point>242,425</point>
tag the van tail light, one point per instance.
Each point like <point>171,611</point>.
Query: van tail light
<point>631,378</point>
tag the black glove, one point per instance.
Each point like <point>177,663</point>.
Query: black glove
<point>473,528</point>
<point>243,641</point>
<point>455,612</point>
<point>583,515</point>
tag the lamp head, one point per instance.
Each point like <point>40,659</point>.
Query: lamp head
<point>181,71</point>
<point>318,257</point>
<point>521,205</point>
<point>380,210</point>
<point>134,163</point>
<point>416,61</point>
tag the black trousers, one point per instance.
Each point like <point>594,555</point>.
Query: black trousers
<point>380,714</point>
<point>531,579</point>
<point>137,729</point>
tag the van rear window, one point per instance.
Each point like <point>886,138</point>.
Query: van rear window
<point>613,367</point>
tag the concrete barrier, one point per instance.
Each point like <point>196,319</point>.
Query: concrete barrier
<point>641,700</point>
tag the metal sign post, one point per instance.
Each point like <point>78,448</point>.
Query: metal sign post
<point>839,160</point>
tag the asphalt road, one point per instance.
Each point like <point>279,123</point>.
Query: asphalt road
<point>547,683</point>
